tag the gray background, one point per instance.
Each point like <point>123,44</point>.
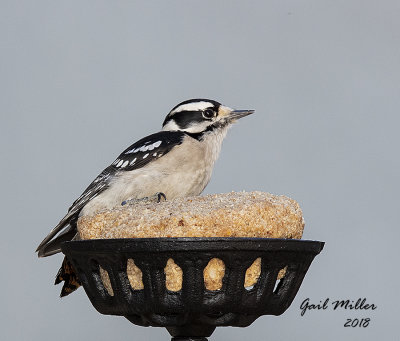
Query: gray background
<point>82,80</point>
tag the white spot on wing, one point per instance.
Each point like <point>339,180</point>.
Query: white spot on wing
<point>120,163</point>
<point>125,164</point>
<point>146,155</point>
<point>144,148</point>
<point>155,154</point>
<point>132,162</point>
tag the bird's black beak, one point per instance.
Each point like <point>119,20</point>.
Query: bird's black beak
<point>231,115</point>
<point>236,114</point>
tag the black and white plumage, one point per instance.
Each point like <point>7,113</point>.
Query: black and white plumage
<point>176,161</point>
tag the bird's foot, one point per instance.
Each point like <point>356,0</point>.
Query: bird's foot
<point>158,197</point>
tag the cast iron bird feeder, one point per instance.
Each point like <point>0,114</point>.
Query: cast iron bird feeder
<point>193,312</point>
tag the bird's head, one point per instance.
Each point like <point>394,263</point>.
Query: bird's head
<point>197,116</point>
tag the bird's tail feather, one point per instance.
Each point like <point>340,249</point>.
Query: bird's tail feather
<point>54,246</point>
<point>69,276</point>
<point>67,223</point>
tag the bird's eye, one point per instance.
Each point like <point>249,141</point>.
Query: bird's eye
<point>208,113</point>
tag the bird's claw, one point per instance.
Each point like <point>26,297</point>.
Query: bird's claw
<point>158,197</point>
<point>161,197</point>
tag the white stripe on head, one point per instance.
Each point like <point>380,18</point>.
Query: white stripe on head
<point>194,106</point>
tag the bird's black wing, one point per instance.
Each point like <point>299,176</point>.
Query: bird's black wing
<point>134,157</point>
<point>148,149</point>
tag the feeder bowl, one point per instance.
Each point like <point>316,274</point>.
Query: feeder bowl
<point>193,312</point>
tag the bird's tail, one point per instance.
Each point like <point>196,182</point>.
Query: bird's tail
<point>69,276</point>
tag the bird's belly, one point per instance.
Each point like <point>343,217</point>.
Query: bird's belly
<point>136,185</point>
<point>183,184</point>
